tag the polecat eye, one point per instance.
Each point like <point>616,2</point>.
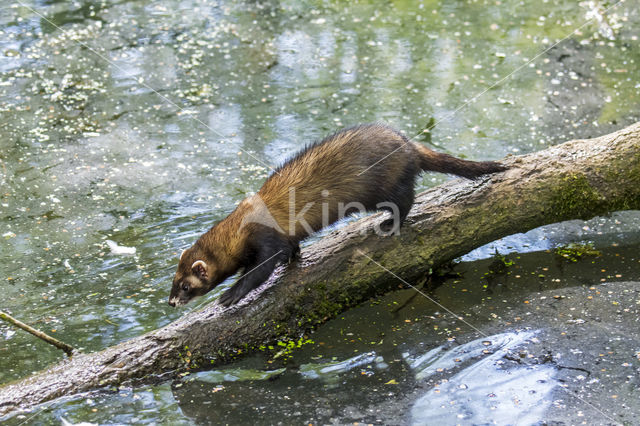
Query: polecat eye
<point>185,286</point>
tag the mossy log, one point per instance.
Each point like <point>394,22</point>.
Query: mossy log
<point>577,179</point>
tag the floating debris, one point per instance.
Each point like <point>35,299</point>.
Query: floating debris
<point>118,249</point>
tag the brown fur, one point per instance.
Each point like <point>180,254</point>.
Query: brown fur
<point>368,164</point>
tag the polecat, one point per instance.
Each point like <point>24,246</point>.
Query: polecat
<point>363,168</point>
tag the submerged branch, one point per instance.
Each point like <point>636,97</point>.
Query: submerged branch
<point>68,349</point>
<point>576,180</point>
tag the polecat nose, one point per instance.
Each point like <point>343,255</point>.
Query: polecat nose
<point>172,303</point>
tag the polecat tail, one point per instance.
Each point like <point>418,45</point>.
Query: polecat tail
<point>444,163</point>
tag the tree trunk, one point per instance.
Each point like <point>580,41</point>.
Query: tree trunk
<point>578,179</point>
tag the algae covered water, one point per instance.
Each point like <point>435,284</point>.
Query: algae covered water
<point>143,123</point>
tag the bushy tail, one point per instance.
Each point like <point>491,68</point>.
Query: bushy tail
<point>444,163</point>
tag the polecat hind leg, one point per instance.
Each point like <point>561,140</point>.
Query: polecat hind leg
<point>402,202</point>
<point>295,255</point>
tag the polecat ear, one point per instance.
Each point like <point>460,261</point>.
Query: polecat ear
<point>199,268</point>
<point>182,254</point>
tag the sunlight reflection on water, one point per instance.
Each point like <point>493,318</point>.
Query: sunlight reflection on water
<point>483,391</point>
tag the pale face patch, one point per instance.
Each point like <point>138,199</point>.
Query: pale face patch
<point>186,288</point>
<point>175,301</point>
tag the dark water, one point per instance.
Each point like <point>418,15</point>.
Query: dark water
<point>145,122</point>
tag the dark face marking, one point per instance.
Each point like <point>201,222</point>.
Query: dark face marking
<point>197,274</point>
<point>192,279</point>
<point>186,288</point>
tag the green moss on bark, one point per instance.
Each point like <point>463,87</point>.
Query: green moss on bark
<point>576,198</point>
<point>629,182</point>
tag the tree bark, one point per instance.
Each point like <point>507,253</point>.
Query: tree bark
<point>578,179</point>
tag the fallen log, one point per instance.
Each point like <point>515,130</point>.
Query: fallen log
<point>578,179</point>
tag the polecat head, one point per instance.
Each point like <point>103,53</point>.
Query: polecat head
<point>197,274</point>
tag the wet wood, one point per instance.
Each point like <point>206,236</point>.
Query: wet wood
<point>578,179</point>
<point>68,349</point>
